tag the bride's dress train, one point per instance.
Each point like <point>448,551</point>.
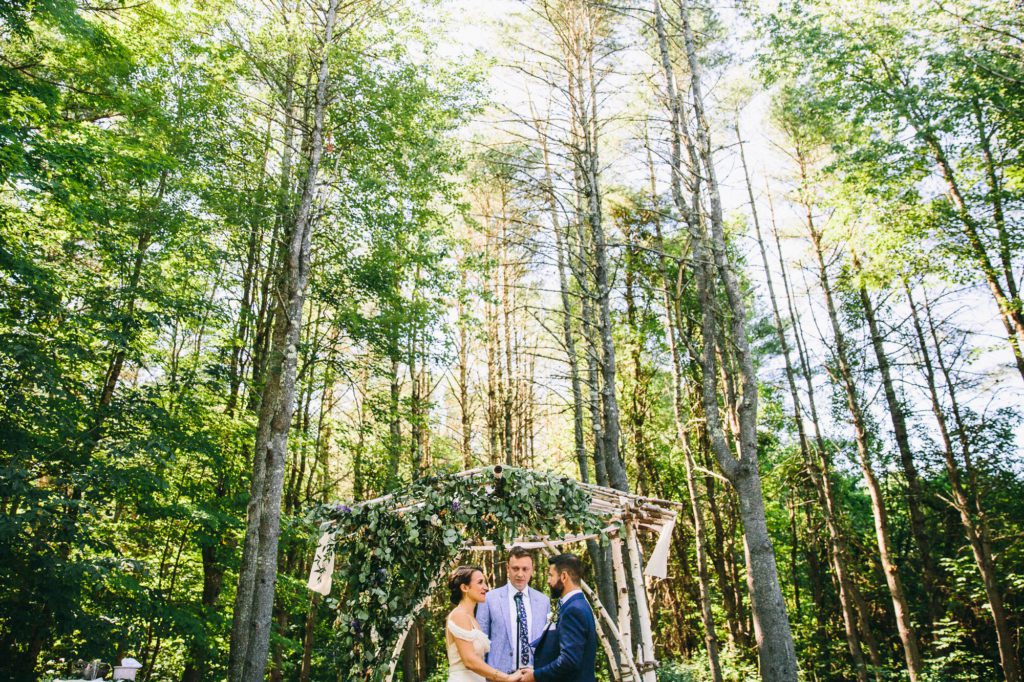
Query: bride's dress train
<point>457,671</point>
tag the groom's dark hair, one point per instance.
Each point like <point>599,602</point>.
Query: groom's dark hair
<point>571,564</point>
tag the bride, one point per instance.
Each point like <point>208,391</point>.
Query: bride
<point>467,643</point>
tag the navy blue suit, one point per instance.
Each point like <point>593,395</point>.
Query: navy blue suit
<point>569,652</point>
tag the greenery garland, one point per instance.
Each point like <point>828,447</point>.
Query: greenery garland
<point>388,553</point>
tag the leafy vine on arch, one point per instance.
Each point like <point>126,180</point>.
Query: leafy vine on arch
<point>388,553</point>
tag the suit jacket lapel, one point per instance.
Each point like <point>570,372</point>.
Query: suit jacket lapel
<point>540,614</point>
<point>506,618</point>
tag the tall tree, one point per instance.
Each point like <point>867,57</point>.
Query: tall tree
<point>712,270</point>
<point>254,598</point>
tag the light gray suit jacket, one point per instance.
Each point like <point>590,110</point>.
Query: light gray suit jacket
<point>495,620</point>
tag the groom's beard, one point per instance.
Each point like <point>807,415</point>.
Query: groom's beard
<point>557,590</point>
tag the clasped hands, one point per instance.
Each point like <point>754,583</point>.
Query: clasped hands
<point>522,675</point>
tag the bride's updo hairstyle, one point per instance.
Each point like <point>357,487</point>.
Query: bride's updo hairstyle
<point>462,575</point>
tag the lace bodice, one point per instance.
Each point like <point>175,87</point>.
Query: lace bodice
<point>457,671</point>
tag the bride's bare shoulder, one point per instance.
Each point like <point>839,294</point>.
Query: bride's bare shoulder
<point>461,619</point>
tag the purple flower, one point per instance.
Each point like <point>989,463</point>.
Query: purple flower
<point>355,625</point>
<point>456,506</point>
<point>343,508</point>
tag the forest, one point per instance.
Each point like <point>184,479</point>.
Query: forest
<point>763,259</point>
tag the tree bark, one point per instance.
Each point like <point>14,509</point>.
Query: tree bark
<point>250,636</point>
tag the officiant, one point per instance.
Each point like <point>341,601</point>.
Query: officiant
<point>514,615</point>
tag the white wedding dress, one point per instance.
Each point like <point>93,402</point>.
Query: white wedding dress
<point>457,670</point>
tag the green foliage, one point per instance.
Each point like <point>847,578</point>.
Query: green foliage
<point>906,100</point>
<point>697,669</point>
<point>953,658</point>
<point>140,217</point>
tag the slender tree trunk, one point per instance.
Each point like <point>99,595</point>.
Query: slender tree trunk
<point>112,377</point>
<point>812,556</point>
<point>394,416</point>
<point>897,413</point>
<point>1002,286</point>
<point>213,580</point>
<point>361,390</point>
<point>609,401</point>
<point>738,638</point>
<point>1009,306</point>
<point>283,215</point>
<point>583,272</point>
<point>878,507</point>
<point>250,636</point>
<point>250,272</point>
<point>837,551</point>
<point>600,552</point>
<point>822,476</point>
<point>638,398</point>
<point>776,652</point>
<point>995,191</point>
<point>508,386</point>
<point>671,304</point>
<point>974,524</point>
<point>306,669</point>
<point>563,253</point>
<point>700,538</point>
<point>465,414</point>
<point>415,399</point>
<point>493,376</point>
<point>569,337</point>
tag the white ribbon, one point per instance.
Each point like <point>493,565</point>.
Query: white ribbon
<point>657,565</point>
<point>322,571</point>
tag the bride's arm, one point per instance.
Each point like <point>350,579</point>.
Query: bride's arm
<point>472,660</point>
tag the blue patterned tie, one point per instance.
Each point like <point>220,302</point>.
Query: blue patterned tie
<point>524,636</point>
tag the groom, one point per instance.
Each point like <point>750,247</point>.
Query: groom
<point>567,650</point>
<point>513,615</point>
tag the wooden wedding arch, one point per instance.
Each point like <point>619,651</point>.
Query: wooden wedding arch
<point>623,515</point>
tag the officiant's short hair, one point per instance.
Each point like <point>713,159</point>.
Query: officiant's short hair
<point>518,552</point>
<point>570,563</point>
